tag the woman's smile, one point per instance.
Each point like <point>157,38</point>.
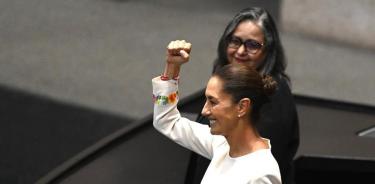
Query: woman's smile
<point>212,122</point>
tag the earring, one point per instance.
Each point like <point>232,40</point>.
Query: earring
<point>239,115</point>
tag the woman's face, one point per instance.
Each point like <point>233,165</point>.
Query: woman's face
<point>219,108</point>
<point>251,33</point>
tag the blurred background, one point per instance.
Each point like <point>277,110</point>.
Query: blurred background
<point>75,72</point>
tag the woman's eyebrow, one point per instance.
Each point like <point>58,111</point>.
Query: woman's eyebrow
<point>209,97</point>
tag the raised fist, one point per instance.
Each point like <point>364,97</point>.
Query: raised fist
<point>178,52</point>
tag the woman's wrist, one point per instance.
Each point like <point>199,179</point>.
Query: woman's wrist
<point>171,71</point>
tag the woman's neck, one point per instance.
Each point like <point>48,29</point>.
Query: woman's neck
<point>245,140</point>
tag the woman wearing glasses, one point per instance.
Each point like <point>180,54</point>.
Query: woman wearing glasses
<point>251,38</point>
<point>234,96</point>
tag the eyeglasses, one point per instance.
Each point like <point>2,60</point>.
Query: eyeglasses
<point>251,46</point>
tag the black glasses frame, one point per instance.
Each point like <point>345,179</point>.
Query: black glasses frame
<point>251,46</point>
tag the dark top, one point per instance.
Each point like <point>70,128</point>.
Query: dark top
<point>278,122</point>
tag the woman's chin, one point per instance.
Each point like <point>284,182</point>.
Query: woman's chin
<point>245,62</point>
<point>241,61</point>
<point>213,132</point>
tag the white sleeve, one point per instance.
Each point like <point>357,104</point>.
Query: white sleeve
<point>168,120</point>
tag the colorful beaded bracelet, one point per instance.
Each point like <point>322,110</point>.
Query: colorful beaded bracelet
<point>165,78</point>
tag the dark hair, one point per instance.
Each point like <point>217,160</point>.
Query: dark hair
<point>274,62</point>
<point>243,81</point>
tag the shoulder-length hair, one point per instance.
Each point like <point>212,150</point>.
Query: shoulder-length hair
<point>274,62</point>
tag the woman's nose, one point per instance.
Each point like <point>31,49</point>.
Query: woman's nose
<point>205,110</point>
<point>241,49</point>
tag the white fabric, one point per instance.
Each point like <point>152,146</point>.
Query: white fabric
<point>258,167</point>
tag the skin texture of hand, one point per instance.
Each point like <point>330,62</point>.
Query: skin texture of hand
<point>178,53</point>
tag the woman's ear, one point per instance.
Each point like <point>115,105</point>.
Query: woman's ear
<point>244,106</point>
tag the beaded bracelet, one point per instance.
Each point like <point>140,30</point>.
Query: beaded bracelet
<point>165,78</point>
